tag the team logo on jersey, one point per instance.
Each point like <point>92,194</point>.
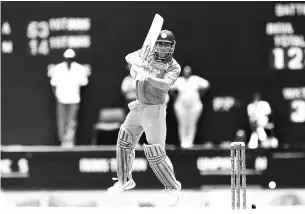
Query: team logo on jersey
<point>161,74</point>
<point>160,66</point>
<point>158,69</point>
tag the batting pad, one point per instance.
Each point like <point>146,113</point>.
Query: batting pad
<point>125,155</point>
<point>161,165</point>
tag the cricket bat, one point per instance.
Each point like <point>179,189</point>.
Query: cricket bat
<point>149,41</point>
<point>151,37</point>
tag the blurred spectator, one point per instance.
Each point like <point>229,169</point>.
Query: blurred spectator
<point>128,88</point>
<point>66,79</point>
<point>188,105</point>
<point>259,113</point>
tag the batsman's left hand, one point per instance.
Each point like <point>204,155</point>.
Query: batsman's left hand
<point>134,70</point>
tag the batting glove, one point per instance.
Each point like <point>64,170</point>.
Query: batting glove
<point>142,75</point>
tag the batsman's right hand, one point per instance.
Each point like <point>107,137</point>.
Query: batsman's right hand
<point>134,58</point>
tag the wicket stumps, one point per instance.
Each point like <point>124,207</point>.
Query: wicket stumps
<point>238,168</point>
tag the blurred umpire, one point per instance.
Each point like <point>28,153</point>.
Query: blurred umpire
<point>66,79</point>
<point>188,106</point>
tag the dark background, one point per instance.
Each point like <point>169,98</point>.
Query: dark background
<point>224,42</point>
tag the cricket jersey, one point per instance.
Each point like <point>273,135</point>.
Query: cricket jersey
<point>151,95</point>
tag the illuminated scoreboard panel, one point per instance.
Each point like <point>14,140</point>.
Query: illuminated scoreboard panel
<point>51,37</point>
<point>58,33</point>
<point>7,46</point>
<point>53,34</point>
<point>287,34</point>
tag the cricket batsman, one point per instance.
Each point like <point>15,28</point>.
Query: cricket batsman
<point>148,114</point>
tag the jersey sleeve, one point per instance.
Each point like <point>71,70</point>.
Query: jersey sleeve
<point>54,81</point>
<point>266,108</point>
<point>54,75</point>
<point>50,70</point>
<point>173,72</point>
<point>82,75</point>
<point>202,83</point>
<point>176,86</point>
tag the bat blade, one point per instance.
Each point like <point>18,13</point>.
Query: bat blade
<point>151,37</point>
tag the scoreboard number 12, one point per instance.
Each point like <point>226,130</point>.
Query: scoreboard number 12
<point>288,58</point>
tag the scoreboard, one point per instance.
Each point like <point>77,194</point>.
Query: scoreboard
<point>51,37</point>
<point>45,36</point>
<point>287,34</point>
<point>58,33</point>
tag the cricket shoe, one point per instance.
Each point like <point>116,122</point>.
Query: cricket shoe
<point>118,187</point>
<point>173,196</point>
